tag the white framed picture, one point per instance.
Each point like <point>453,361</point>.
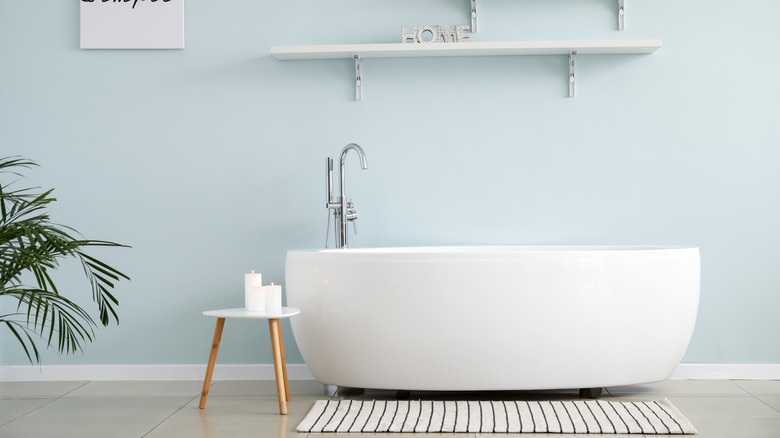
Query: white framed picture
<point>132,24</point>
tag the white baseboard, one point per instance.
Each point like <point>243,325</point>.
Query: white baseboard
<point>147,372</point>
<point>13,373</point>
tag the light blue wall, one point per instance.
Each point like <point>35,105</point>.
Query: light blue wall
<point>209,161</point>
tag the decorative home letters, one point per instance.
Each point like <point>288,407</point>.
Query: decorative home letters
<point>437,34</point>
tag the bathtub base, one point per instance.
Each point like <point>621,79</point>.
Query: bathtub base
<point>593,393</point>
<point>331,390</point>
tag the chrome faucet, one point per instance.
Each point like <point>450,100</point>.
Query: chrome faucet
<point>342,209</point>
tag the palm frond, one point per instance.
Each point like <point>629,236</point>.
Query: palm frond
<point>25,341</point>
<point>31,244</point>
<point>48,314</point>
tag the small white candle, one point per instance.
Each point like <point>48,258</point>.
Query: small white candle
<point>273,298</point>
<point>254,299</point>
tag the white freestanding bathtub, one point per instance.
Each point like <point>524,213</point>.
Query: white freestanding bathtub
<point>493,317</point>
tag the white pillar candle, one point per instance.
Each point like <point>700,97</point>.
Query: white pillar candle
<point>273,298</point>
<point>254,299</point>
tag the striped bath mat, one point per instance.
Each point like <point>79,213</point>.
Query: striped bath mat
<point>580,416</point>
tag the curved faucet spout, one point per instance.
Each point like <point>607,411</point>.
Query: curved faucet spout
<point>356,148</point>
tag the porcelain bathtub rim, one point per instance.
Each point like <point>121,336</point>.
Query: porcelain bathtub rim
<point>500,251</point>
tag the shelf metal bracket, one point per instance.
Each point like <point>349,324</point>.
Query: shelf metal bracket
<point>621,14</point>
<point>572,59</point>
<point>474,16</point>
<point>358,78</point>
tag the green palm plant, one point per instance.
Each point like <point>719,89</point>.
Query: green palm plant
<point>31,247</point>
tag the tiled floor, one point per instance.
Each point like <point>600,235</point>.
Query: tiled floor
<point>717,408</point>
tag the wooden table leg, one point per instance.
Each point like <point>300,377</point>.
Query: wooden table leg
<point>212,360</point>
<point>281,381</point>
<point>284,366</point>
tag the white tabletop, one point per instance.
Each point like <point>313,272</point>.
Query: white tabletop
<point>243,313</point>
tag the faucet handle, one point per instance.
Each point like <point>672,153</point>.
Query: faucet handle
<point>352,216</point>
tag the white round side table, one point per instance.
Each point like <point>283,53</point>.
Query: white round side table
<point>274,326</point>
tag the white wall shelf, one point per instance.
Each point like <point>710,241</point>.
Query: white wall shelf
<point>358,52</point>
<point>471,48</point>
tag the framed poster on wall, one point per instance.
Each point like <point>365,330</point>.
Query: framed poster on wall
<point>132,24</point>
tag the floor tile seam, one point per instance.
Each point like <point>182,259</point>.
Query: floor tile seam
<point>77,388</point>
<point>170,415</point>
<point>757,393</point>
<point>50,401</point>
<point>764,403</point>
<point>734,382</point>
<point>62,396</point>
<point>46,397</point>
